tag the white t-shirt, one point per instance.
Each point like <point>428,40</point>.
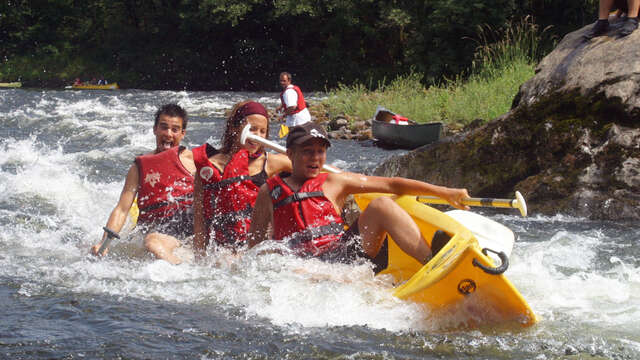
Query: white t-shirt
<point>291,99</point>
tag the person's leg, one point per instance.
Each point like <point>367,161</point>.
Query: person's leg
<point>385,215</point>
<point>604,8</point>
<point>602,25</point>
<point>632,18</point>
<point>634,5</point>
<point>162,246</point>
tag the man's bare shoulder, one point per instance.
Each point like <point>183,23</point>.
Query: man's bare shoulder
<point>187,153</point>
<point>186,158</point>
<point>279,162</point>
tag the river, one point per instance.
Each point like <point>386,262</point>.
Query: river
<point>63,157</point>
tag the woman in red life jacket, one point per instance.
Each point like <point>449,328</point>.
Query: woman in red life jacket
<point>227,181</point>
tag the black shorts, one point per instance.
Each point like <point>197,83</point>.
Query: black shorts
<point>180,225</point>
<point>350,250</point>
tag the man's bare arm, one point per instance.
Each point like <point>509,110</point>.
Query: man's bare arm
<point>121,211</point>
<point>344,184</point>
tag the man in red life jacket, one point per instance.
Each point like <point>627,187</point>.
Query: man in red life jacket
<point>303,208</point>
<point>292,102</point>
<point>163,182</point>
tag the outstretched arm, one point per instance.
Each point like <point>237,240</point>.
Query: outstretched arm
<point>119,213</point>
<point>343,184</point>
<point>261,217</point>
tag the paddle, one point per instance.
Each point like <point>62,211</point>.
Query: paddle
<point>284,130</point>
<point>110,236</point>
<point>517,203</point>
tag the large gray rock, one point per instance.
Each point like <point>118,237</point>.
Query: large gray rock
<point>570,144</point>
<point>607,66</point>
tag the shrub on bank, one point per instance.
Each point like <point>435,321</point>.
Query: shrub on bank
<point>503,61</point>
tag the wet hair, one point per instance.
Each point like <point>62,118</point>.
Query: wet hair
<point>172,110</point>
<point>287,75</point>
<point>232,128</point>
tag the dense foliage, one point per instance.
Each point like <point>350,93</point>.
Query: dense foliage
<point>504,60</point>
<point>244,44</point>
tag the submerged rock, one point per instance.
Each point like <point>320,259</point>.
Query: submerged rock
<point>570,143</point>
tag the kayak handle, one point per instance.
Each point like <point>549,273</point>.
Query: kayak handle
<point>494,270</point>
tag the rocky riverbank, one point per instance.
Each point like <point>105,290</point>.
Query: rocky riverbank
<point>340,126</point>
<point>570,143</point>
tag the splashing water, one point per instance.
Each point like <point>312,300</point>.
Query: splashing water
<point>63,158</point>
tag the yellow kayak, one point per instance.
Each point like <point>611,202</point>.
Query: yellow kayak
<point>134,211</point>
<point>459,276</point>
<point>112,86</point>
<point>16,84</point>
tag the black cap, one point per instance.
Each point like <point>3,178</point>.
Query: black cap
<point>302,133</point>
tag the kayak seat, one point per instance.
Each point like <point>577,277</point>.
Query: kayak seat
<point>440,239</point>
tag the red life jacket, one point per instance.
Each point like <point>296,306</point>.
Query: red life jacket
<point>234,197</point>
<point>306,219</point>
<point>209,176</point>
<point>301,103</point>
<point>165,186</point>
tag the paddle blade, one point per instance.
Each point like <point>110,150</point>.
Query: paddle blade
<point>284,130</point>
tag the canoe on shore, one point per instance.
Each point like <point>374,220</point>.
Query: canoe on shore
<point>408,136</point>
<point>461,283</point>
<point>112,86</point>
<point>10,85</point>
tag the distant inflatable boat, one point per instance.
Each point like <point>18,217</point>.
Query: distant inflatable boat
<point>10,85</point>
<point>113,86</point>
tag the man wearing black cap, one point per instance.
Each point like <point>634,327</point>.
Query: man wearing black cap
<point>304,207</point>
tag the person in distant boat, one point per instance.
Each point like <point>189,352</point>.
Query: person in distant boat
<point>77,82</point>
<point>163,182</point>
<point>102,81</point>
<point>602,24</point>
<point>227,181</point>
<point>303,207</point>
<point>292,102</point>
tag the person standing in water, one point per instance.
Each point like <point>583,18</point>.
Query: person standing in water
<point>303,207</point>
<point>227,181</point>
<point>163,183</point>
<point>292,102</point>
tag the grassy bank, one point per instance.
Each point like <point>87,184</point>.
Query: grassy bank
<point>503,61</point>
